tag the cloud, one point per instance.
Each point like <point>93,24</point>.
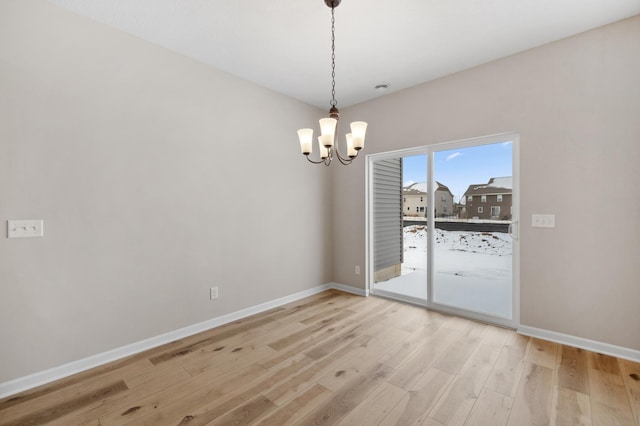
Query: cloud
<point>454,155</point>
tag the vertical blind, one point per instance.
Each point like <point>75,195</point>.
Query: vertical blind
<point>387,212</point>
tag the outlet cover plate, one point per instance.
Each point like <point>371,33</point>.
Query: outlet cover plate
<point>543,220</point>
<point>25,228</point>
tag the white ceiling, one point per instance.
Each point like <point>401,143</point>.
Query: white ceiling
<point>285,45</point>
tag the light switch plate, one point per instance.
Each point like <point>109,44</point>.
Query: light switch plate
<point>25,228</point>
<point>543,220</point>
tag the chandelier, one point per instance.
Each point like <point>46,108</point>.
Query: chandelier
<point>328,139</point>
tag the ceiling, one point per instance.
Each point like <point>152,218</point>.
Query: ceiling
<point>285,45</point>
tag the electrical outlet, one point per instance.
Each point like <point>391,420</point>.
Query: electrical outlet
<point>213,293</point>
<point>357,270</point>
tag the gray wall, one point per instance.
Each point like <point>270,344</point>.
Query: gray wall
<point>136,159</point>
<point>576,105</point>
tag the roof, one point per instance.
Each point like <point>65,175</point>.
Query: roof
<point>498,185</point>
<point>420,188</point>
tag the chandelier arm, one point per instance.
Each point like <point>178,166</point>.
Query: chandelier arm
<point>345,160</point>
<point>315,162</point>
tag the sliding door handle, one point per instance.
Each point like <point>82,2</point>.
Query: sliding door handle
<point>514,230</point>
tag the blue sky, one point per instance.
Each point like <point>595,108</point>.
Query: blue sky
<point>459,168</point>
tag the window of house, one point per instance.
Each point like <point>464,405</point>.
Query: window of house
<point>480,210</point>
<point>444,208</point>
<point>469,198</point>
<point>443,199</point>
<point>417,209</point>
<point>421,209</point>
<point>499,198</point>
<point>495,211</point>
<point>408,208</point>
<point>420,199</point>
<point>404,199</point>
<point>483,198</point>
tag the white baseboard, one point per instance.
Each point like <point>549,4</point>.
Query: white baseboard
<point>349,289</point>
<point>579,342</point>
<point>42,377</point>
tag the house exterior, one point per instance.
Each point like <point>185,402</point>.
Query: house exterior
<point>414,200</point>
<point>490,200</point>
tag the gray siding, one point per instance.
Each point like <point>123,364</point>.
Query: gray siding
<point>387,212</point>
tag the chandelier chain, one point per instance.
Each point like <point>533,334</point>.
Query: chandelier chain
<point>333,58</point>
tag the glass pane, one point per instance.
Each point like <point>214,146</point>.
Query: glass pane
<point>408,277</point>
<point>472,247</point>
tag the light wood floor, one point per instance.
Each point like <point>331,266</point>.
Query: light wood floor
<point>336,358</point>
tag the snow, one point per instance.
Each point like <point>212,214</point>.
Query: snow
<point>502,182</point>
<point>472,269</point>
<point>421,186</point>
<point>499,182</point>
<point>451,243</point>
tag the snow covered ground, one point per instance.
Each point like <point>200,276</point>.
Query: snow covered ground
<point>472,270</point>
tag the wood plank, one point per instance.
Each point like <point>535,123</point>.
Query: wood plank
<point>303,380</point>
<point>53,388</point>
<point>196,391</point>
<point>415,404</point>
<point>532,405</point>
<point>300,406</point>
<point>457,354</point>
<point>409,318</point>
<point>570,407</point>
<point>226,331</point>
<point>397,355</point>
<point>319,351</point>
<point>226,360</point>
<point>491,408</point>
<point>631,378</point>
<point>123,401</point>
<point>573,369</point>
<point>420,361</point>
<point>496,336</point>
<point>609,403</point>
<point>377,405</point>
<point>359,359</point>
<point>542,352</point>
<point>328,309</point>
<point>307,332</point>
<point>349,398</point>
<point>216,400</point>
<point>49,414</point>
<point>507,371</point>
<point>604,363</point>
<point>458,400</point>
<point>247,412</point>
<point>430,422</point>
<point>334,337</point>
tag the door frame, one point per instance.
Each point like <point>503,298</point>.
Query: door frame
<point>429,150</point>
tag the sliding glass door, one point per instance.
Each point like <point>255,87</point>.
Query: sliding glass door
<point>443,227</point>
